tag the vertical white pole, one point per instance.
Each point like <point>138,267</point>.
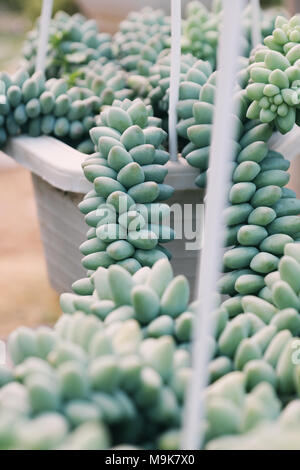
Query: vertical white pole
<point>175,75</point>
<point>43,35</point>
<point>256,23</point>
<point>217,194</point>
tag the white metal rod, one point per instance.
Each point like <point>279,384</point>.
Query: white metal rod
<point>221,156</point>
<point>256,23</point>
<point>43,35</point>
<point>174,76</point>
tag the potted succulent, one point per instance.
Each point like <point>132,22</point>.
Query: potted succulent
<point>114,371</point>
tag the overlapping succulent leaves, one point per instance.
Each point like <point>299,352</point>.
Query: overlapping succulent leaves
<point>201,30</point>
<point>120,353</point>
<point>125,210</point>
<point>263,214</point>
<point>124,371</point>
<point>193,75</point>
<point>155,89</point>
<point>283,434</point>
<point>107,367</point>
<point>134,320</point>
<point>275,73</point>
<point>73,42</point>
<point>142,36</point>
<point>60,107</point>
<point>32,105</point>
<point>106,80</point>
<point>195,112</point>
<point>271,354</point>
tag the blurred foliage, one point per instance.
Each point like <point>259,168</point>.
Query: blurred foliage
<point>271,3</point>
<point>32,8</point>
<point>12,5</point>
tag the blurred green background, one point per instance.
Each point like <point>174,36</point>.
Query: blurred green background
<point>32,8</point>
<point>270,3</point>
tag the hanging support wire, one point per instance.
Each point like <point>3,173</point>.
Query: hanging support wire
<point>43,35</point>
<point>214,229</point>
<point>174,76</point>
<point>255,23</point>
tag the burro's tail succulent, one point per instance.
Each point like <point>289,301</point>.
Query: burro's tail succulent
<point>126,208</point>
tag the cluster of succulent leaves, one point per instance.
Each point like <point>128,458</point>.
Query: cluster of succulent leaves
<point>201,30</point>
<point>36,106</point>
<point>107,80</point>
<point>159,81</point>
<point>274,88</point>
<point>106,378</point>
<point>260,241</point>
<point>73,42</point>
<point>125,209</point>
<point>271,354</point>
<point>262,215</point>
<point>138,53</point>
<point>195,106</point>
<point>120,354</point>
<point>114,370</point>
<point>142,36</point>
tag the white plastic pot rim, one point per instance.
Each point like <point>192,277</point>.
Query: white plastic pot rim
<point>60,164</point>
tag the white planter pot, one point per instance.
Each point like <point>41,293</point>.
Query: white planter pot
<point>59,185</point>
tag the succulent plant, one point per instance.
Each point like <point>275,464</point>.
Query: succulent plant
<point>73,42</point>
